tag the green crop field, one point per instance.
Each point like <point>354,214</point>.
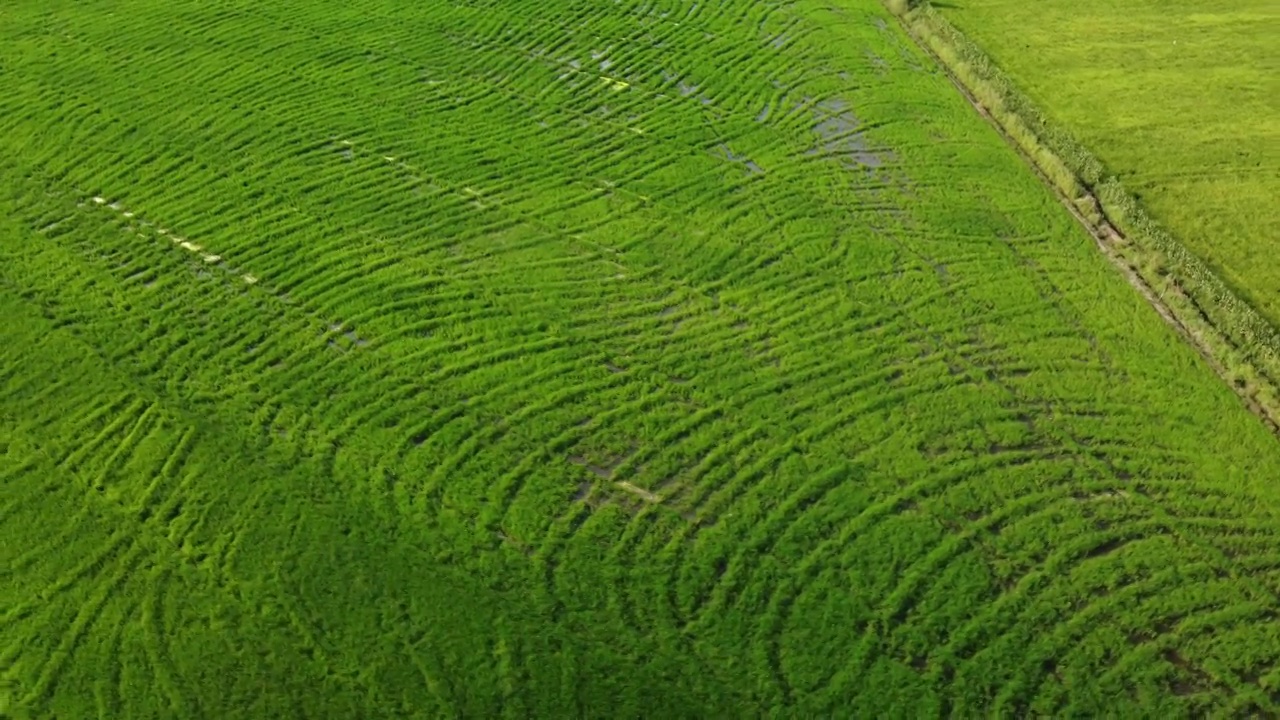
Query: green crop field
<point>1178,98</point>
<point>534,358</point>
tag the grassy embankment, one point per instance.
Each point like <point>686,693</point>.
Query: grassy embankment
<point>1116,108</point>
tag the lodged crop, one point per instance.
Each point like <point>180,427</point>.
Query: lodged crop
<point>543,359</point>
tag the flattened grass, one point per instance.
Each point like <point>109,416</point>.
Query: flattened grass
<point>760,375</point>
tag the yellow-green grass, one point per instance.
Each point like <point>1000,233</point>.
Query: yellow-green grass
<point>532,358</point>
<point>1180,99</point>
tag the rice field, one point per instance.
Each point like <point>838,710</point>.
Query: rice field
<point>1178,98</point>
<point>548,359</point>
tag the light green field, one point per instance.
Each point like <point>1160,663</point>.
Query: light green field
<point>550,359</point>
<point>1178,98</point>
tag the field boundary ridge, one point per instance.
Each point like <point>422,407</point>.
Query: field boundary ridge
<point>1237,341</point>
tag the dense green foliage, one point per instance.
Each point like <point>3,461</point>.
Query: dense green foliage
<point>1179,98</point>
<point>516,358</point>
